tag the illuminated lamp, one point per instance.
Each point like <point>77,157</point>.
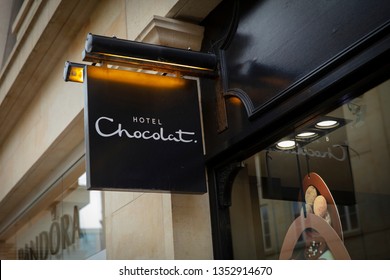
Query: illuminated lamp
<point>306,135</point>
<point>74,72</point>
<point>327,124</point>
<point>286,145</point>
<point>111,50</point>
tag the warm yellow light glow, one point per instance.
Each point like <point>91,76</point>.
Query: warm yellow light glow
<point>235,100</point>
<point>135,78</point>
<point>143,60</point>
<point>76,74</point>
<point>286,144</point>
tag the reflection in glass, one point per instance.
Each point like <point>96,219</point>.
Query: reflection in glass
<point>70,227</point>
<point>327,124</point>
<point>352,156</point>
<point>286,145</point>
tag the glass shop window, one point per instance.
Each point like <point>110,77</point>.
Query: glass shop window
<point>322,192</point>
<point>66,225</point>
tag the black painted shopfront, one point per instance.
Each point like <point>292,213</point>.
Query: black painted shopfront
<point>285,66</point>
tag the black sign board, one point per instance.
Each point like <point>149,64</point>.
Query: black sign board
<point>143,132</point>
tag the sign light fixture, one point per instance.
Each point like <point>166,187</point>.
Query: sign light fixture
<point>111,50</point>
<point>74,72</point>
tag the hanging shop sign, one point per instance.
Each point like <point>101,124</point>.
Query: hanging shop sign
<point>142,132</point>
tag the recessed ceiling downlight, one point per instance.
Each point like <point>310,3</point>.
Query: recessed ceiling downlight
<point>286,145</point>
<point>327,124</point>
<point>306,134</point>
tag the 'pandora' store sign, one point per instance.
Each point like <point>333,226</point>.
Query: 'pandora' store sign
<point>143,132</point>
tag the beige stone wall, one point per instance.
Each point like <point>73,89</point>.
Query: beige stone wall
<point>191,227</point>
<point>138,226</point>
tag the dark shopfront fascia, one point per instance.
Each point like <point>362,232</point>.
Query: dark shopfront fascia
<point>283,66</point>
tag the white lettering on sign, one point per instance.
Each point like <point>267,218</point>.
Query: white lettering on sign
<point>147,120</point>
<point>160,135</point>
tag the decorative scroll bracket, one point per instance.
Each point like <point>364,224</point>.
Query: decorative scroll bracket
<point>225,179</point>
